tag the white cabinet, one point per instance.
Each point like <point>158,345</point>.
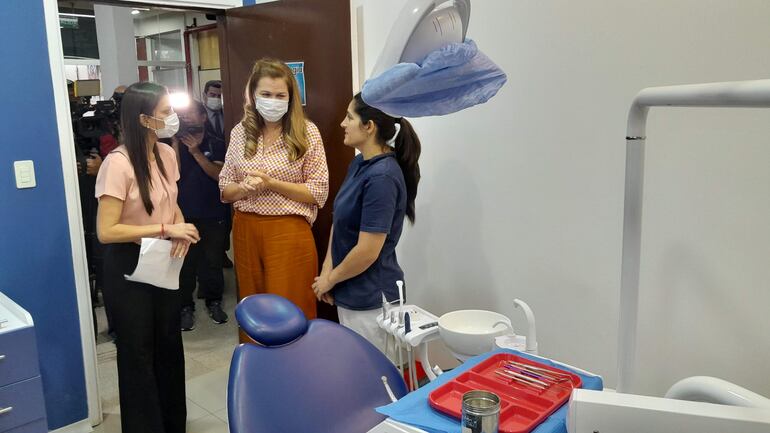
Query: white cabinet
<point>22,407</point>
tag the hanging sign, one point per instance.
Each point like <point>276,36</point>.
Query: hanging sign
<point>298,68</point>
<point>68,22</point>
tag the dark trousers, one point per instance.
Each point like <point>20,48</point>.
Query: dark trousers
<point>229,225</point>
<point>150,352</point>
<point>88,207</point>
<point>203,263</point>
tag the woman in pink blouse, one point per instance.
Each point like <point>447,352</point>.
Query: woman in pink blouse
<point>275,173</point>
<point>136,188</point>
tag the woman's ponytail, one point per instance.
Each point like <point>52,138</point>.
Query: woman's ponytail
<point>408,153</point>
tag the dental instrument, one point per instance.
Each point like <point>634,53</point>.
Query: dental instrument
<point>521,379</point>
<point>387,388</point>
<point>511,379</point>
<point>541,371</point>
<point>410,353</point>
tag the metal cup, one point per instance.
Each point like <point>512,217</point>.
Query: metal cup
<point>481,412</point>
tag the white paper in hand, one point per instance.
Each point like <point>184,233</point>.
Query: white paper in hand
<point>156,266</point>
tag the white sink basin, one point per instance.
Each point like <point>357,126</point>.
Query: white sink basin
<point>472,332</point>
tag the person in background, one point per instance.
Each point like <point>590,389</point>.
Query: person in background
<point>276,175</point>
<point>212,99</point>
<point>137,193</point>
<point>201,156</point>
<point>377,193</point>
<point>88,163</point>
<point>109,141</point>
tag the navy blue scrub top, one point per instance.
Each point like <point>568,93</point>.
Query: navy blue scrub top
<point>198,193</point>
<point>372,199</point>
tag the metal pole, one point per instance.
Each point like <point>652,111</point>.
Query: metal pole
<point>737,94</point>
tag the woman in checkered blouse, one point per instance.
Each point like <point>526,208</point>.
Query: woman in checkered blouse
<point>276,176</point>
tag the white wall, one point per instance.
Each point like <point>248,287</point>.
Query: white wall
<point>523,197</point>
<point>117,49</point>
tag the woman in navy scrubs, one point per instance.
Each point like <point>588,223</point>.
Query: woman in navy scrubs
<point>369,211</point>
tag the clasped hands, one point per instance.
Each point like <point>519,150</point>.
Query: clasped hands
<point>256,182</point>
<point>322,286</point>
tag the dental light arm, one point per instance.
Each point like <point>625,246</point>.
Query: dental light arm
<point>747,94</point>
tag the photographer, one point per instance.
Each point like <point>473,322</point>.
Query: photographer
<point>110,139</point>
<point>92,127</point>
<point>88,158</point>
<point>201,156</point>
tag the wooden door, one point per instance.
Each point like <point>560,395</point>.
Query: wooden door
<point>316,32</point>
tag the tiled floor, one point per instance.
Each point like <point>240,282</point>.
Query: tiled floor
<point>208,349</point>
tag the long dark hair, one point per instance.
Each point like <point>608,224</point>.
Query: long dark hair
<point>141,98</point>
<point>407,146</point>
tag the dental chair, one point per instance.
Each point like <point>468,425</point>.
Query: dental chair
<point>304,376</point>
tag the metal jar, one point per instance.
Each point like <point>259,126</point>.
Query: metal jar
<point>481,412</point>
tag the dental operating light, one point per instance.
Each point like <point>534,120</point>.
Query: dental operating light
<point>424,26</point>
<point>428,66</point>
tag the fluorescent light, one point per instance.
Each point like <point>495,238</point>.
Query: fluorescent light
<point>134,12</point>
<point>76,15</point>
<point>179,99</point>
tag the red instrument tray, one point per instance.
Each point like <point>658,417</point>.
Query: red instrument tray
<point>522,407</point>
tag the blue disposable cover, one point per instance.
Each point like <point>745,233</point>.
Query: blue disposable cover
<point>450,79</point>
<point>414,409</point>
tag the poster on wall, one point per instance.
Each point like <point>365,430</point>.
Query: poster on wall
<point>298,68</point>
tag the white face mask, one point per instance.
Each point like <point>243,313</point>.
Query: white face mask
<point>170,128</point>
<point>214,104</point>
<point>272,110</point>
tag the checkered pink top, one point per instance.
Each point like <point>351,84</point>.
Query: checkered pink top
<point>310,170</point>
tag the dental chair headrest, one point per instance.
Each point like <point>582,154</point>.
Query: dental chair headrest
<point>270,320</point>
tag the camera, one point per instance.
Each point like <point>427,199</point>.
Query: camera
<point>90,122</point>
<point>185,129</point>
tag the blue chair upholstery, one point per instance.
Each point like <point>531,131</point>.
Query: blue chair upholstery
<point>270,320</point>
<point>302,376</point>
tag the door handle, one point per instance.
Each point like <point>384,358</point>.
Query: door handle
<point>6,410</point>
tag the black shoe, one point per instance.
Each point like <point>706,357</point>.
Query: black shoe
<point>227,263</point>
<point>216,313</point>
<point>188,319</point>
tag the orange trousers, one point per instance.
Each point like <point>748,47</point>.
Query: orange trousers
<point>275,254</point>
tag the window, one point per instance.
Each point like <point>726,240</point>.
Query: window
<point>161,59</point>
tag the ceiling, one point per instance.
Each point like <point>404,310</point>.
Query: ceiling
<point>81,6</point>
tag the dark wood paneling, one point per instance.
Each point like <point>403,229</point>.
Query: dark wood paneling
<point>318,33</point>
<point>141,54</point>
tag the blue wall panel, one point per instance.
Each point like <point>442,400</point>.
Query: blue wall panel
<point>35,255</point>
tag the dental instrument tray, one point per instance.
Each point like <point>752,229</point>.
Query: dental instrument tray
<point>529,391</point>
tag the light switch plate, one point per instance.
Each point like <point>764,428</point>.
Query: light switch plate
<point>25,174</point>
